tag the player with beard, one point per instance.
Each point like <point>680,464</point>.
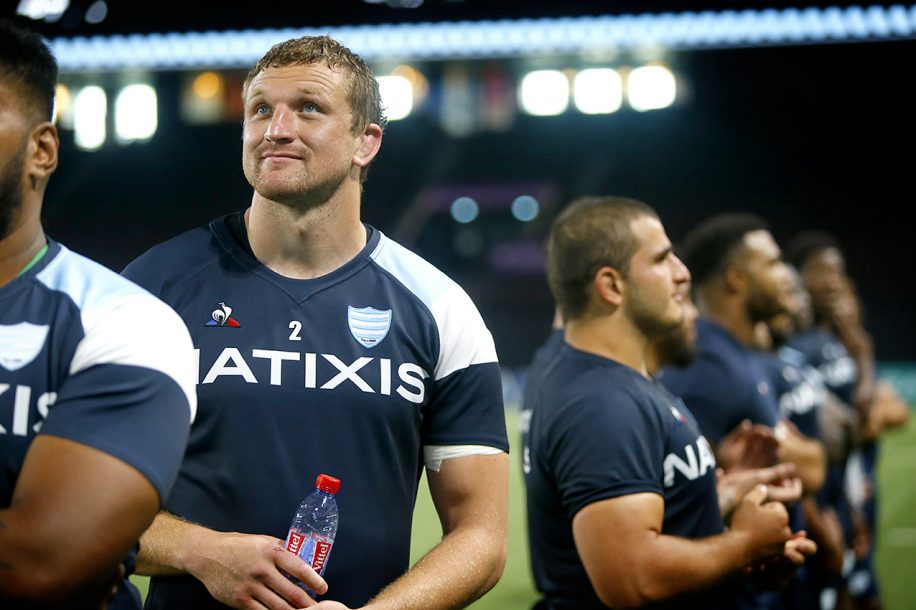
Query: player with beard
<point>621,486</point>
<point>738,277</point>
<point>324,347</point>
<point>96,379</point>
<point>841,348</point>
<point>748,445</point>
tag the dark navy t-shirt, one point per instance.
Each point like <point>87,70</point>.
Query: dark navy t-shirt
<point>88,356</point>
<point>799,388</point>
<point>352,374</point>
<point>829,356</point>
<point>601,430</point>
<point>726,384</point>
<point>840,374</point>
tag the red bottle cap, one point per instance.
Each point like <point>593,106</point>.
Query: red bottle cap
<point>327,483</point>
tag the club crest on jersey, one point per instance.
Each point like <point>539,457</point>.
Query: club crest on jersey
<point>222,316</point>
<point>368,325</point>
<point>22,343</point>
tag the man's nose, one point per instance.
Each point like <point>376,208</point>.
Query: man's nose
<point>282,125</point>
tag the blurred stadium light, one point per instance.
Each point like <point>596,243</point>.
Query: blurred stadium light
<point>651,88</point>
<point>544,92</point>
<point>90,110</point>
<point>598,91</point>
<point>136,115</point>
<point>502,38</point>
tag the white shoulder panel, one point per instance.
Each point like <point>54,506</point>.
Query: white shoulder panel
<point>122,322</point>
<point>463,337</point>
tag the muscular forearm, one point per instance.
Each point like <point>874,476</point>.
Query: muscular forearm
<point>461,568</point>
<point>165,547</point>
<point>75,514</point>
<point>471,556</point>
<point>668,566</point>
<point>35,566</point>
<point>827,533</point>
<point>810,461</point>
<point>239,570</point>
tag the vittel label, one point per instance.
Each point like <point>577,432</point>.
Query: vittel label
<point>322,549</point>
<point>294,544</point>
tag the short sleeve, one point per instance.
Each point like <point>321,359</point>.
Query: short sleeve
<point>604,444</point>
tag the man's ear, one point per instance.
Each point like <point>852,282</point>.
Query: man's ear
<point>735,279</point>
<point>369,143</point>
<point>43,146</point>
<point>609,285</point>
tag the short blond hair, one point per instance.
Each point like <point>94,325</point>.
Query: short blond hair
<point>362,89</point>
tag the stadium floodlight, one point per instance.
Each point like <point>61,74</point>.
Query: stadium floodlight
<point>651,88</point>
<point>464,210</point>
<point>90,110</point>
<point>207,85</point>
<point>598,91</point>
<point>49,10</point>
<point>525,208</point>
<point>63,106</point>
<point>544,93</point>
<point>446,40</point>
<point>136,116</point>
<point>397,96</point>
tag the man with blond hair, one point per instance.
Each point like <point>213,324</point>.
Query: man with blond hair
<point>324,347</point>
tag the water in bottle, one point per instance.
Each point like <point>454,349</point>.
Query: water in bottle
<point>311,534</point>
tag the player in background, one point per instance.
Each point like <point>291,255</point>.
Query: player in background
<point>621,486</point>
<point>842,349</point>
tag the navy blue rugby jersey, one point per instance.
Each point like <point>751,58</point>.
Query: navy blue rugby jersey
<point>726,384</point>
<point>535,373</point>
<point>351,374</point>
<point>539,362</point>
<point>829,356</point>
<point>799,388</point>
<point>88,356</point>
<point>600,430</point>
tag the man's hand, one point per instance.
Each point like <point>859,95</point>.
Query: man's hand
<point>748,445</point>
<point>249,571</point>
<point>781,485</point>
<point>766,524</point>
<point>777,571</point>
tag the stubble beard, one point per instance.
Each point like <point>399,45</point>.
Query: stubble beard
<point>301,191</point>
<point>761,308</point>
<point>649,321</point>
<point>11,192</point>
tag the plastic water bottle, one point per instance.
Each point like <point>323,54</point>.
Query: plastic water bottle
<point>311,534</point>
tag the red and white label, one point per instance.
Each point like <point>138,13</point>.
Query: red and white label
<point>294,543</point>
<point>322,550</point>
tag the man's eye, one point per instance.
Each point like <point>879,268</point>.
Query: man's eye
<point>309,107</point>
<point>261,109</point>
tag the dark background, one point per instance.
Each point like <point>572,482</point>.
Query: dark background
<point>816,136</point>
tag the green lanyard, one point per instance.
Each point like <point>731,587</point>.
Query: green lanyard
<point>34,260</point>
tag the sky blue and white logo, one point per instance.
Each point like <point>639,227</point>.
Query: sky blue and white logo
<point>21,343</point>
<point>368,325</point>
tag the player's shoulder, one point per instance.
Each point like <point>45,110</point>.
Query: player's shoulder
<point>179,257</point>
<point>88,284</point>
<point>574,376</point>
<point>417,275</point>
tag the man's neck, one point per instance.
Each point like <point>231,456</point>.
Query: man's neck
<point>614,338</point>
<point>304,244</point>
<point>19,248</point>
<point>732,317</point>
